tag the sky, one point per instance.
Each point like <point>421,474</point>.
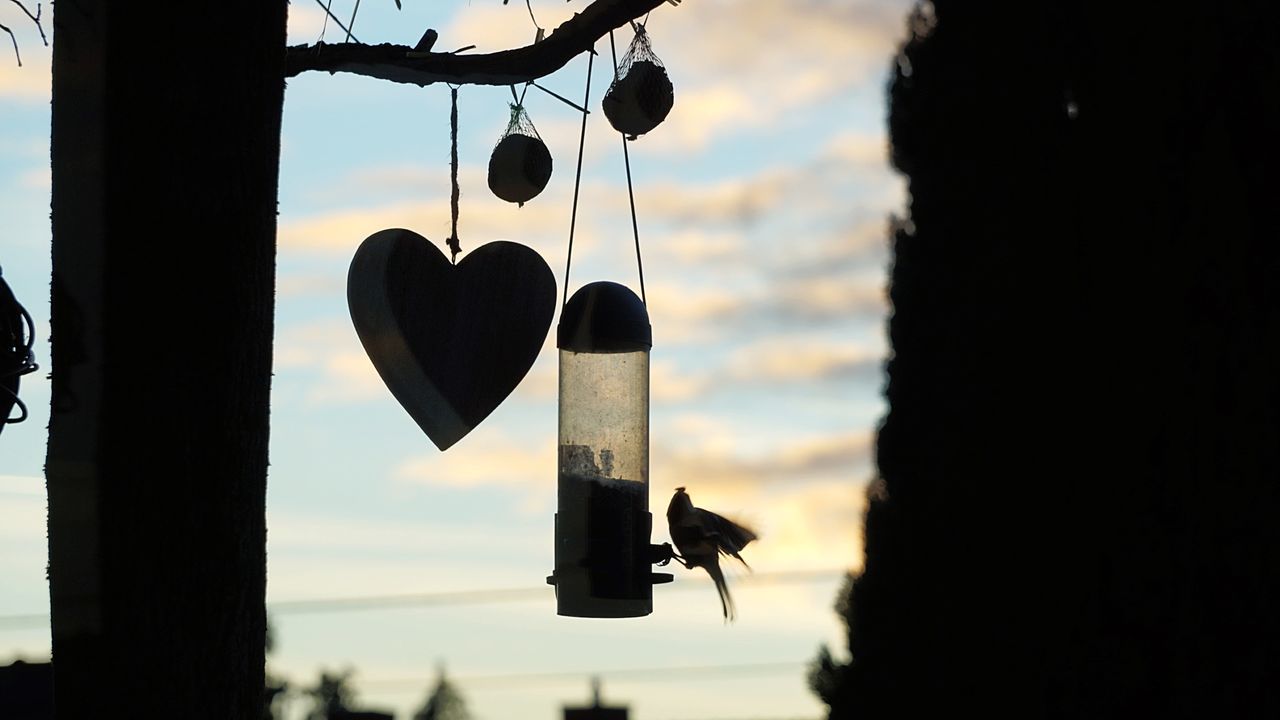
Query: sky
<point>763,203</point>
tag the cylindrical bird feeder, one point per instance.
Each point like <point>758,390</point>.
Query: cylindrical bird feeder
<point>603,523</point>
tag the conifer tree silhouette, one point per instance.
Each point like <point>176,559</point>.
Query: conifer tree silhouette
<point>1080,466</point>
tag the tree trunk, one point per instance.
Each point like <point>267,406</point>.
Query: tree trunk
<point>165,146</point>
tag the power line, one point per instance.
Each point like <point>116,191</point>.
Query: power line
<point>460,597</point>
<point>661,673</point>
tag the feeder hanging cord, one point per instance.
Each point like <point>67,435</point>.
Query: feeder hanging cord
<point>626,159</point>
<point>577,179</point>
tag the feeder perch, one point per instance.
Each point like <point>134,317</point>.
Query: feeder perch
<point>603,556</point>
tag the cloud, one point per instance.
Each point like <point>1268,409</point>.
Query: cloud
<point>348,377</point>
<point>305,22</point>
<point>697,246</point>
<point>38,179</point>
<point>329,352</point>
<point>542,222</point>
<point>816,527</point>
<point>764,66</point>
<point>491,458</point>
<point>295,285</point>
<point>848,40</point>
<point>765,63</point>
<point>686,315</point>
<point>789,360</point>
<point>320,533</point>
<point>805,498</point>
<point>683,314</point>
<point>826,298</point>
<point>842,456</point>
<point>33,82</point>
<point>858,244</point>
<point>689,221</point>
<point>492,27</point>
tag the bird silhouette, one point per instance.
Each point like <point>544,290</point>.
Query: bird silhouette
<point>701,537</point>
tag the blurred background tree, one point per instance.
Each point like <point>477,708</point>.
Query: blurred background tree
<point>445,701</point>
<point>1076,516</point>
<point>331,696</point>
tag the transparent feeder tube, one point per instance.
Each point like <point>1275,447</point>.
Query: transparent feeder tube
<point>603,524</point>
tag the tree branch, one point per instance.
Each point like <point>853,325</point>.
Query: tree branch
<point>400,63</point>
<point>35,19</point>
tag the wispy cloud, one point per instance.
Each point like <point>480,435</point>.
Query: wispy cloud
<point>845,457</point>
<point>766,62</point>
<point>33,82</point>
<point>802,359</point>
<point>330,352</point>
<point>490,458</point>
<point>305,23</point>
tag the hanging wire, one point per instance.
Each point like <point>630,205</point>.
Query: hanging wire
<point>577,179</point>
<point>631,195</point>
<point>540,32</point>
<point>455,246</point>
<point>519,99</point>
<point>352,23</point>
<point>328,15</point>
<point>562,99</point>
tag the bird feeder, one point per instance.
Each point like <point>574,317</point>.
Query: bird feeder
<point>603,524</point>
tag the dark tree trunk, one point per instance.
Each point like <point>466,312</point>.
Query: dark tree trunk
<point>165,150</point>
<point>1080,466</point>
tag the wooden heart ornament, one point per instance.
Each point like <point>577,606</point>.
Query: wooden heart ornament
<point>450,341</point>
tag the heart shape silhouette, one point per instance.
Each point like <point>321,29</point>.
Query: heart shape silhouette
<point>450,341</point>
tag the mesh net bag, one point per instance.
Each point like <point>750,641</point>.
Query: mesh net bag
<point>520,165</point>
<point>641,94</point>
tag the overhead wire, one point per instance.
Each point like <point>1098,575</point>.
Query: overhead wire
<point>656,673</point>
<point>459,597</point>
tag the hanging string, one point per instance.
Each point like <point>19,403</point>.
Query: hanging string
<point>540,33</point>
<point>455,247</point>
<point>577,180</point>
<point>519,99</point>
<point>631,196</point>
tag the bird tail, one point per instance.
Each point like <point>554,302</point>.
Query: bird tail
<point>722,587</point>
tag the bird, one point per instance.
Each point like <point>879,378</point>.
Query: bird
<point>701,537</point>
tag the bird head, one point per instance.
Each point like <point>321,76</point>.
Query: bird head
<point>680,504</point>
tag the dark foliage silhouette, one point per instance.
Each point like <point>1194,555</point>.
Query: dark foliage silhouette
<point>332,695</point>
<point>332,698</point>
<point>275,688</point>
<point>1081,460</point>
<point>444,703</point>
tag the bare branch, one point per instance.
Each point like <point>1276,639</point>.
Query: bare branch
<point>15,43</point>
<point>34,18</point>
<point>400,63</point>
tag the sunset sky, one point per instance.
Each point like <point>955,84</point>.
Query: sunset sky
<point>763,203</point>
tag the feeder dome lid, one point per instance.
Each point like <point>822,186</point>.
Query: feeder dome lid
<point>604,317</point>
